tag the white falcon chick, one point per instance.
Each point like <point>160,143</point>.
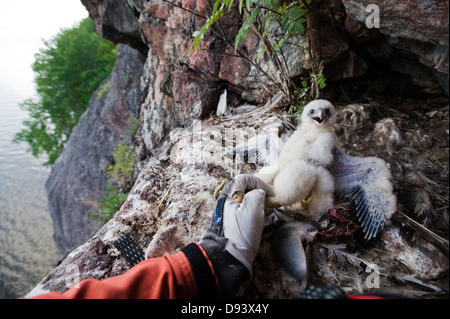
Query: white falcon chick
<point>312,169</point>
<point>302,178</point>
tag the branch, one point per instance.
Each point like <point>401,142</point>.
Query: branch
<point>317,66</point>
<point>307,6</point>
<point>245,57</point>
<point>182,8</point>
<point>240,54</point>
<point>423,232</point>
<point>284,78</point>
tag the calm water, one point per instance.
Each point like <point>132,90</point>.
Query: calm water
<point>27,249</point>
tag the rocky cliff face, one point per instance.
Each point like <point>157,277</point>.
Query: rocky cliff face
<point>416,32</point>
<point>182,145</point>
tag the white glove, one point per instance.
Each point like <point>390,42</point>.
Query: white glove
<point>233,239</point>
<point>243,223</point>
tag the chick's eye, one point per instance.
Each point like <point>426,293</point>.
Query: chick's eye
<point>328,112</point>
<point>311,112</point>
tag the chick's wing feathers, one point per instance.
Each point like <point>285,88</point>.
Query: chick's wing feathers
<point>367,182</point>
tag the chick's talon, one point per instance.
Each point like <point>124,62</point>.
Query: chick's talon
<point>239,194</point>
<point>219,188</point>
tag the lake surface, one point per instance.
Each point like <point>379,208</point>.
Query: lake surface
<point>27,249</point>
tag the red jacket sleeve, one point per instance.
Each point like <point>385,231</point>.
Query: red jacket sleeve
<point>186,274</point>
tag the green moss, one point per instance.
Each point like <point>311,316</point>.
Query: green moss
<point>111,201</point>
<point>104,89</point>
<point>122,169</point>
<point>126,79</point>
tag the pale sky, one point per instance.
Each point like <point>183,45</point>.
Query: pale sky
<point>23,25</point>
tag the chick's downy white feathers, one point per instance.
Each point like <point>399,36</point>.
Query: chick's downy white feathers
<point>302,178</point>
<point>314,140</point>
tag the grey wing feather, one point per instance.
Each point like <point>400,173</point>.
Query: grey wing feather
<point>367,182</point>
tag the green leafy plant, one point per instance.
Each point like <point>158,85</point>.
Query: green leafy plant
<point>120,175</point>
<point>258,17</point>
<point>126,79</point>
<point>261,17</point>
<point>111,201</point>
<point>122,169</point>
<point>105,88</point>
<point>68,70</point>
<point>306,93</point>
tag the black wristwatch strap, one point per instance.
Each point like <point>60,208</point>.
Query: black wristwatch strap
<point>129,249</point>
<point>204,278</point>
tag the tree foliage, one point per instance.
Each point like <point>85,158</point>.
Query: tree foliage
<point>68,70</point>
<point>259,14</point>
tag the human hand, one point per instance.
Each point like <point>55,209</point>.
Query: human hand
<point>243,219</point>
<point>234,237</point>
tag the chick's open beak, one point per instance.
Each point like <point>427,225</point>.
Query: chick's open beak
<point>320,116</point>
